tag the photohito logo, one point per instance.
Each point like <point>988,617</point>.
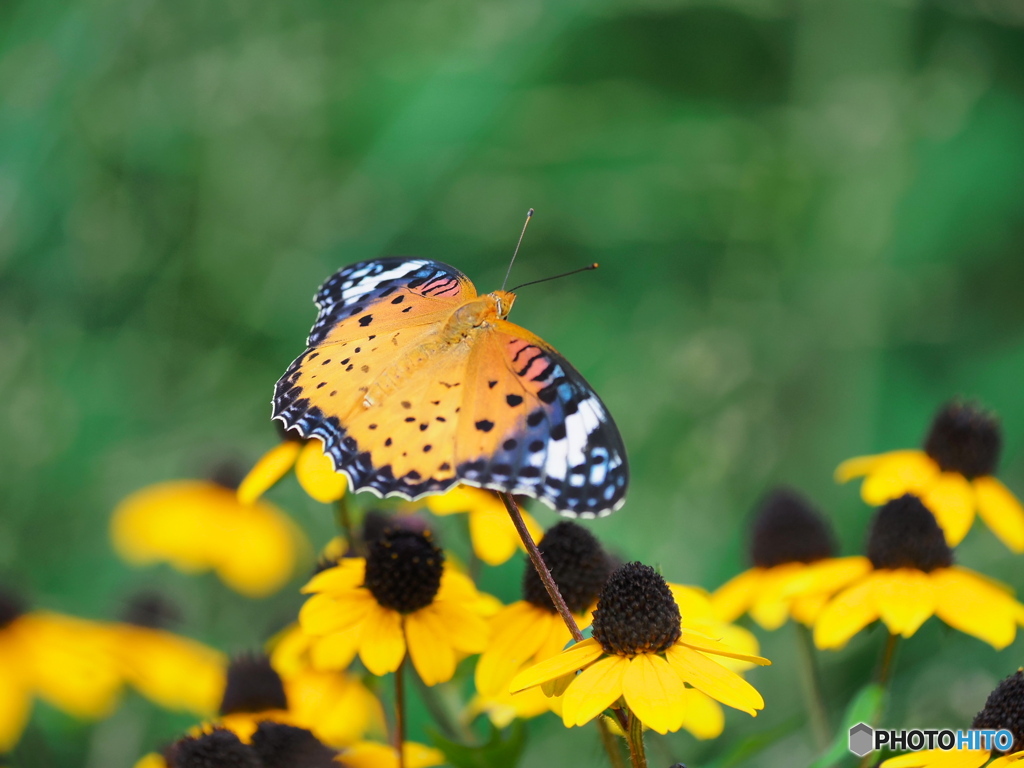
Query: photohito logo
<point>864,739</point>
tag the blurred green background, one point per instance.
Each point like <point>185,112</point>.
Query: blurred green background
<point>809,218</point>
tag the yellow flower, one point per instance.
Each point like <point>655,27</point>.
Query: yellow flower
<point>530,630</point>
<point>173,671</point>
<point>313,469</point>
<point>641,653</point>
<point>198,525</point>
<point>63,660</point>
<point>790,544</point>
<point>1004,709</point>
<point>401,598</point>
<point>336,706</point>
<point>494,537</point>
<point>908,576</point>
<point>953,475</point>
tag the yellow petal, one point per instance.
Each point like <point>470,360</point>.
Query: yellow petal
<point>1001,511</point>
<point>15,697</point>
<point>429,646</point>
<point>1005,760</point>
<point>694,602</point>
<point>975,607</point>
<point>704,716</point>
<point>717,648</point>
<point>846,615</point>
<point>324,614</point>
<point>382,645</point>
<point>175,672</point>
<point>858,466</point>
<point>712,678</point>
<point>371,755</point>
<point>335,706</point>
<point>655,693</point>
<point>770,608</point>
<point>951,499</point>
<point>337,650</point>
<point>466,631</point>
<point>905,598</point>
<point>897,473</point>
<point>347,575</point>
<point>289,650</point>
<point>494,537</point>
<point>464,498</point>
<point>514,640</point>
<point>826,577</point>
<point>271,467</point>
<point>259,549</point>
<point>152,760</point>
<point>594,690</point>
<point>69,662</point>
<point>567,662</point>
<point>315,473</point>
<point>732,599</point>
<point>937,758</point>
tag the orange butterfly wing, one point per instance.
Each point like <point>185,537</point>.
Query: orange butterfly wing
<point>532,425</point>
<point>366,386</point>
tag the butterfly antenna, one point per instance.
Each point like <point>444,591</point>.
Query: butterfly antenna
<point>555,277</point>
<point>529,215</point>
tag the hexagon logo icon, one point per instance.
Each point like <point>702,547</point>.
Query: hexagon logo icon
<point>862,739</point>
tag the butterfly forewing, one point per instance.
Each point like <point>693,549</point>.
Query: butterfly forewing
<point>532,425</point>
<point>394,292</point>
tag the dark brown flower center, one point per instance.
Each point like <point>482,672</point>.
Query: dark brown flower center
<point>964,439</point>
<point>577,563</point>
<point>403,570</point>
<point>252,686</point>
<point>151,610</point>
<point>788,529</point>
<point>285,746</point>
<point>904,534</point>
<point>1005,709</point>
<point>636,612</point>
<point>11,607</point>
<point>216,749</point>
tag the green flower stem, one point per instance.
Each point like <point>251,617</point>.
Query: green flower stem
<point>810,682</point>
<point>637,753</point>
<point>610,744</point>
<point>400,713</point>
<point>344,517</point>
<point>888,657</point>
<point>884,676</point>
<point>441,712</point>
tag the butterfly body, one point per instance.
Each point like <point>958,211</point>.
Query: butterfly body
<point>414,383</point>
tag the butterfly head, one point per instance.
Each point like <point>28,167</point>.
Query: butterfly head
<point>503,301</point>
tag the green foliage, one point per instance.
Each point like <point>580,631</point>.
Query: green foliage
<point>501,750</point>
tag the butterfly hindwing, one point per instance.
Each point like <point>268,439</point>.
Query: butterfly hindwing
<point>534,426</point>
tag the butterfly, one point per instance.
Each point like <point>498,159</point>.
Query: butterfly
<point>414,383</point>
